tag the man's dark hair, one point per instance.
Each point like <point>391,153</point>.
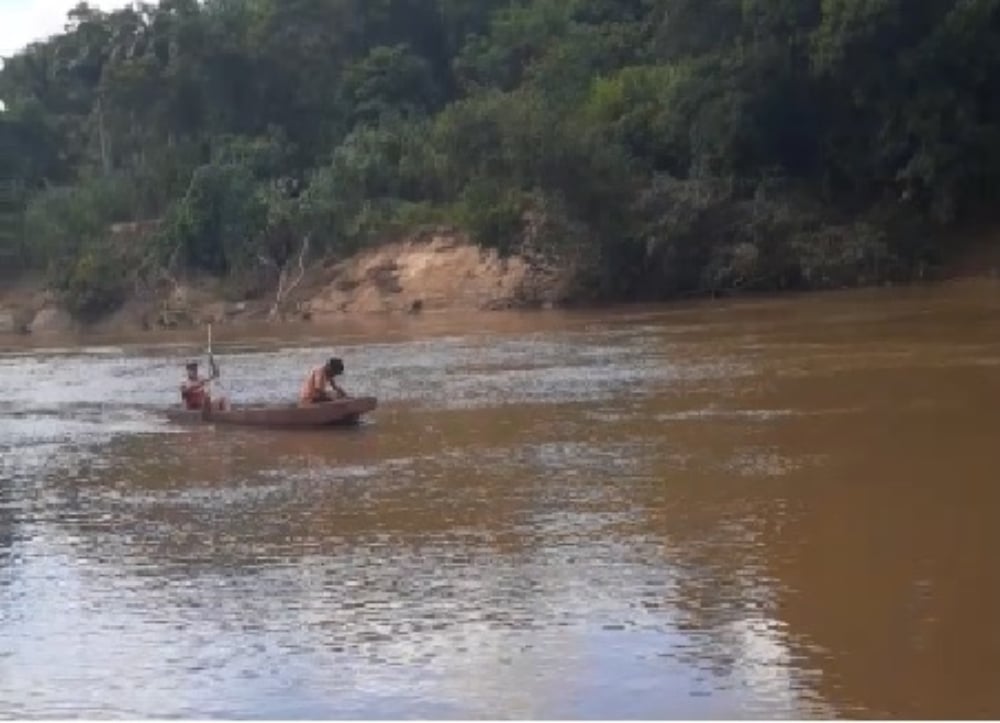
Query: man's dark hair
<point>334,367</point>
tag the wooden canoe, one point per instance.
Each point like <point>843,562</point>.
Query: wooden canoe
<point>342,412</point>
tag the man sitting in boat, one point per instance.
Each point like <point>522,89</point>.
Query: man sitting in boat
<point>314,389</point>
<point>194,391</point>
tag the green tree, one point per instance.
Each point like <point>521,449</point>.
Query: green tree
<point>659,147</point>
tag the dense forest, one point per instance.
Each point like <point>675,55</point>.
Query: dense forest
<point>655,147</point>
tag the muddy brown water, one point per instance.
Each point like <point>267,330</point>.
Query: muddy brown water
<point>748,509</point>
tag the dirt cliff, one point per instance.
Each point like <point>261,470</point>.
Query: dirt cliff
<point>433,271</point>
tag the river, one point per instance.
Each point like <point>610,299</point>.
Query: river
<point>750,509</point>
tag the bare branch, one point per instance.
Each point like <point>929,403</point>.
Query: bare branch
<point>283,289</point>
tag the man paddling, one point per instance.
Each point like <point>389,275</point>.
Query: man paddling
<point>194,390</point>
<point>314,389</point>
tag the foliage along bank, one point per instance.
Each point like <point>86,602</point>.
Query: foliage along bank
<point>656,147</point>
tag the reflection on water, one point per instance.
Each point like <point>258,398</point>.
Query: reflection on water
<point>766,509</point>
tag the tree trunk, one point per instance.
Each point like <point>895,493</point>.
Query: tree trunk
<point>105,142</point>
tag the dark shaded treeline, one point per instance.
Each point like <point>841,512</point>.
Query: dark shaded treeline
<point>654,147</point>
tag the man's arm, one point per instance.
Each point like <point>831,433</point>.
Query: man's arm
<point>340,392</point>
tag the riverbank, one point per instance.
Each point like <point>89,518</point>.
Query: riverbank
<point>434,271</point>
<point>439,270</point>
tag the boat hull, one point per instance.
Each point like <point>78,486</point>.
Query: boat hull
<point>342,412</point>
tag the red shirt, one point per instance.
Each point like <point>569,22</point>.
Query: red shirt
<point>193,393</point>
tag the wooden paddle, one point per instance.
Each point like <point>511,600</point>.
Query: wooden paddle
<point>213,375</point>
<point>212,366</point>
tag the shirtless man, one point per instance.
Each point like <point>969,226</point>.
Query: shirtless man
<point>314,389</point>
